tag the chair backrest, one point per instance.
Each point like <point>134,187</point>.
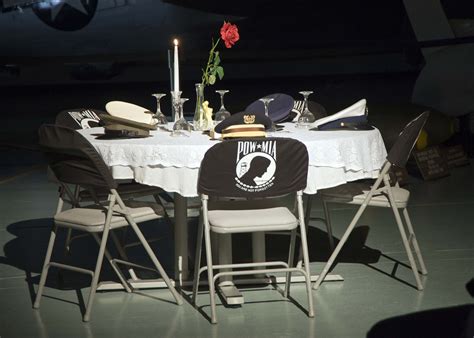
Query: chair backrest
<point>73,159</point>
<point>79,118</point>
<point>254,168</point>
<point>400,151</point>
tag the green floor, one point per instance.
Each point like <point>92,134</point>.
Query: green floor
<point>442,212</point>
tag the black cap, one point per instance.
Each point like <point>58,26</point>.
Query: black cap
<point>243,118</point>
<point>350,122</point>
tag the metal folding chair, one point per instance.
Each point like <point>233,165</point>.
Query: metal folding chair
<point>83,118</point>
<point>74,161</point>
<point>382,194</point>
<point>252,169</point>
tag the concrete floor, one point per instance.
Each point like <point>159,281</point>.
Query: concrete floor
<point>441,211</point>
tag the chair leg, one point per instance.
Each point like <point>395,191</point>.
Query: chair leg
<point>411,232</point>
<point>118,245</point>
<point>210,275</point>
<point>351,226</point>
<point>160,202</point>
<point>197,260</point>
<point>406,244</point>
<point>304,245</point>
<point>152,256</point>
<point>327,216</point>
<point>121,250</point>
<point>339,246</point>
<point>307,215</point>
<point>67,243</point>
<point>117,271</point>
<point>95,277</point>
<point>44,271</point>
<point>291,258</point>
<point>403,234</point>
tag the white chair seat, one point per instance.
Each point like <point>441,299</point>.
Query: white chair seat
<point>400,195</point>
<point>233,221</point>
<point>92,219</point>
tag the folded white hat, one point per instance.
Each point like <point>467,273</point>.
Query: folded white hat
<point>130,111</point>
<point>357,109</point>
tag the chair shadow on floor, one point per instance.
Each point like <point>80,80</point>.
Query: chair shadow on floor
<point>354,251</point>
<point>27,250</point>
<point>203,289</point>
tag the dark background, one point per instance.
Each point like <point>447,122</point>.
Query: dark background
<point>342,50</point>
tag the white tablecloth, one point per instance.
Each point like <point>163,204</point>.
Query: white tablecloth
<point>172,163</point>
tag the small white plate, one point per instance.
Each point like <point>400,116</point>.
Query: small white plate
<point>129,111</point>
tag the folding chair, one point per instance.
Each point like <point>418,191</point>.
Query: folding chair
<point>83,118</point>
<point>79,118</point>
<point>252,169</point>
<point>382,194</point>
<point>75,161</point>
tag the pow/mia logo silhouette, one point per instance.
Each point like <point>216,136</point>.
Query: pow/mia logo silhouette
<point>66,15</point>
<point>255,165</point>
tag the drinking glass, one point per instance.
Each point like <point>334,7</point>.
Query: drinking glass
<point>266,101</point>
<point>306,117</point>
<point>175,101</point>
<point>223,113</point>
<point>181,127</point>
<point>159,116</point>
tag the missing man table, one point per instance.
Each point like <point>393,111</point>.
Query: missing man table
<point>172,163</point>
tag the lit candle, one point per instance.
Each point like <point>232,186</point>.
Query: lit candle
<point>176,66</point>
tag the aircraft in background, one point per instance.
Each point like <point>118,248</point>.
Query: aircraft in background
<point>76,41</point>
<point>105,40</point>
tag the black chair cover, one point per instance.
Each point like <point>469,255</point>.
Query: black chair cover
<point>400,151</point>
<point>79,118</point>
<point>254,168</point>
<point>73,159</point>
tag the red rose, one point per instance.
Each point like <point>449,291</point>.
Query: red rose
<point>230,34</point>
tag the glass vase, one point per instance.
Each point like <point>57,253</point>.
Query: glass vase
<point>199,110</point>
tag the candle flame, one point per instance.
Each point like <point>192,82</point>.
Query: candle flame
<point>175,41</point>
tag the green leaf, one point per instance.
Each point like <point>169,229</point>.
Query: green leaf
<point>212,79</point>
<point>220,72</point>
<point>217,59</point>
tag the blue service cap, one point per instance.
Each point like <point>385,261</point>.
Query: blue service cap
<point>347,123</point>
<point>278,110</point>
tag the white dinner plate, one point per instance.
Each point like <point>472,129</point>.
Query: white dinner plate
<point>130,111</point>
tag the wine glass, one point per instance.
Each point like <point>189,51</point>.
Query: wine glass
<point>181,127</point>
<point>159,116</point>
<point>306,117</point>
<point>266,101</point>
<point>223,113</point>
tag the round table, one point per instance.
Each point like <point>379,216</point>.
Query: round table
<point>172,163</point>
